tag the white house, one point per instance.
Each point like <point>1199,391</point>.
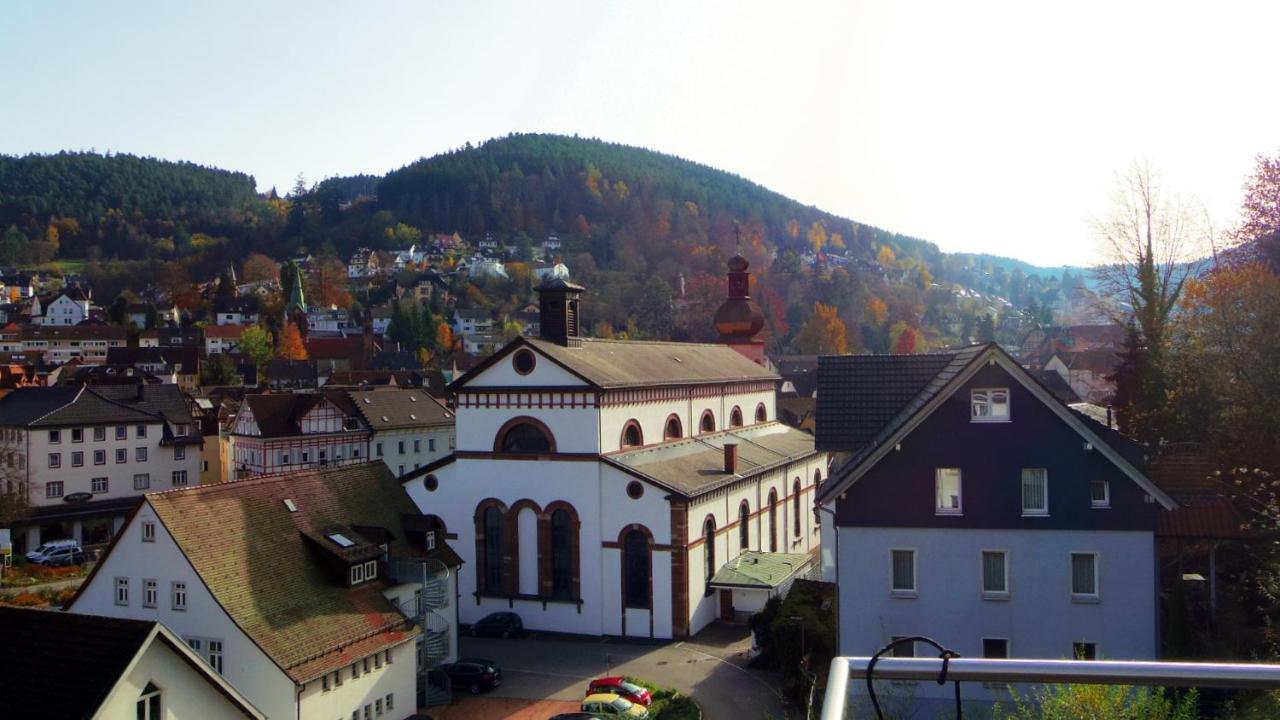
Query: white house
<point>70,307</point>
<point>58,344</point>
<point>286,432</point>
<point>315,595</point>
<point>84,454</point>
<point>327,319</point>
<point>599,485</point>
<point>220,339</point>
<point>975,508</point>
<point>409,428</point>
<point>122,669</point>
<point>472,321</point>
<point>551,271</point>
<point>235,311</point>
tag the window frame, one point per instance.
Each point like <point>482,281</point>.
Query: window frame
<point>99,457</point>
<point>150,593</point>
<point>121,591</point>
<point>1105,502</point>
<point>982,574</point>
<point>1044,481</point>
<point>100,433</point>
<point>94,487</point>
<point>55,460</point>
<point>178,595</point>
<point>142,481</point>
<point>54,489</point>
<point>1096,595</point>
<point>903,592</point>
<point>148,531</point>
<point>1007,645</point>
<point>986,393</point>
<point>938,509</point>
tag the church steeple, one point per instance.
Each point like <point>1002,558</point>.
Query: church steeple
<point>739,319</point>
<point>290,273</point>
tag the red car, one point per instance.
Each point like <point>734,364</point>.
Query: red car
<point>620,686</point>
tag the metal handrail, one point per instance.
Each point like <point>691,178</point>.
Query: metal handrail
<point>1088,672</point>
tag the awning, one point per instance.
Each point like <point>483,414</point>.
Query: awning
<point>754,570</point>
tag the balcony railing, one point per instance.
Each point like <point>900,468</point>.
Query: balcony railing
<point>846,680</point>
<point>431,575</point>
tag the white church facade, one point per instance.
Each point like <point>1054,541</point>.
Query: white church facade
<point>598,485</point>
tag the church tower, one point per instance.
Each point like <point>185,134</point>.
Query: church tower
<point>739,319</point>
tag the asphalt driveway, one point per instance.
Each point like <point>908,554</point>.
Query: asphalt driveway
<point>708,667</point>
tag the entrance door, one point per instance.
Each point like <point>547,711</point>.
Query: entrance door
<point>726,604</point>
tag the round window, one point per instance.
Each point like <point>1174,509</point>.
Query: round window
<point>635,489</point>
<point>431,483</point>
<point>524,361</point>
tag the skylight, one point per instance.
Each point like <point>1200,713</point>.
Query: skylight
<point>413,398</point>
<point>384,419</point>
<point>341,540</point>
<point>367,401</point>
<point>288,503</point>
<point>412,416</point>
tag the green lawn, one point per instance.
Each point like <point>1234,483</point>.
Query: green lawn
<point>74,267</point>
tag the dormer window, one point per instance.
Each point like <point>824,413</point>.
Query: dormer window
<point>989,404</point>
<point>431,540</point>
<point>180,430</point>
<point>363,572</point>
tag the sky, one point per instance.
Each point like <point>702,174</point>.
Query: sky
<point>984,127</point>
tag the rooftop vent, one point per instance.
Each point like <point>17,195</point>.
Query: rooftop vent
<point>412,416</point>
<point>341,540</point>
<point>731,458</point>
<point>413,398</point>
<point>384,419</point>
<point>289,504</point>
<point>367,401</point>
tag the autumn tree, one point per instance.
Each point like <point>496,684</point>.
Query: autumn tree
<point>259,268</point>
<point>257,343</point>
<point>1260,211</point>
<point>292,346</point>
<point>906,339</point>
<point>824,333</point>
<point>327,284</point>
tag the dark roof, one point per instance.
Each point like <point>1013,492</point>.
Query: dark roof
<point>74,332</point>
<point>242,305</point>
<point>400,408</point>
<point>171,355</point>
<point>1186,473</point>
<point>87,651</point>
<point>1054,383</point>
<point>279,414</point>
<point>630,363</point>
<point>863,398</point>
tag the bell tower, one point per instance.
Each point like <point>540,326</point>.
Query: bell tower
<point>739,319</point>
<point>558,311</point>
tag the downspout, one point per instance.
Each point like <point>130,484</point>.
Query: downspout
<point>836,562</point>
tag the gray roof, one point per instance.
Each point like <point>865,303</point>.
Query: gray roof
<point>696,465</point>
<point>630,363</point>
<point>388,409</point>
<point>94,405</point>
<point>863,398</point>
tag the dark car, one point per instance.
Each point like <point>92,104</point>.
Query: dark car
<point>499,624</point>
<point>474,674</point>
<point>619,686</point>
<point>63,556</point>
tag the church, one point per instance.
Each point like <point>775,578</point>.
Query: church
<point>599,486</point>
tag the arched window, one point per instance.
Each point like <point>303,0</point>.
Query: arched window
<point>708,422</point>
<point>672,430</point>
<point>563,542</point>
<point>795,508</point>
<point>735,417</point>
<point>524,436</point>
<point>762,415</point>
<point>744,527</point>
<point>773,520</point>
<point>632,435</point>
<point>490,573</point>
<point>637,570</point>
<point>708,551</point>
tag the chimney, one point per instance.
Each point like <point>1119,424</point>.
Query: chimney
<point>558,312</point>
<point>731,458</point>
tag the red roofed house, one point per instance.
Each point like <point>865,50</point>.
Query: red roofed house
<point>315,595</point>
<point>223,338</point>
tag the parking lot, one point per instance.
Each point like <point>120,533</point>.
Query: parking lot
<point>710,668</point>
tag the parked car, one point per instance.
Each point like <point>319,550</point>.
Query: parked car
<point>474,674</point>
<point>619,686</point>
<point>58,556</point>
<point>499,624</point>
<point>36,555</point>
<point>612,705</point>
<point>574,716</point>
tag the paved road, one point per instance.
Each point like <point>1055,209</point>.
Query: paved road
<point>708,667</point>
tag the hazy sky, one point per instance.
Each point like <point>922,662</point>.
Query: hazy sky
<point>987,126</point>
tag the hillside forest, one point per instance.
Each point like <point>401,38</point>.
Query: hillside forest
<point>648,234</point>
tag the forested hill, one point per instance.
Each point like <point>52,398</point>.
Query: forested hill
<point>645,231</point>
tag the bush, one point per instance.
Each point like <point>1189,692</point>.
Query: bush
<point>1099,702</point>
<point>668,704</point>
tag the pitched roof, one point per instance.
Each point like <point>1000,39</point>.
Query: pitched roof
<point>862,398</point>
<point>1098,361</point>
<point>225,331</point>
<point>853,384</point>
<point>40,645</point>
<point>94,405</point>
<point>629,363</point>
<point>1216,520</point>
<point>280,414</point>
<point>391,408</point>
<point>74,332</point>
<point>255,557</point>
<point>695,465</point>
<point>757,569</point>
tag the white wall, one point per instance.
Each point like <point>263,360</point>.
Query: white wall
<point>339,701</point>
<point>185,693</point>
<point>1039,618</point>
<point>574,428</point>
<point>434,442</point>
<point>245,666</point>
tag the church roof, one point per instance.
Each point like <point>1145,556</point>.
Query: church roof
<point>630,363</point>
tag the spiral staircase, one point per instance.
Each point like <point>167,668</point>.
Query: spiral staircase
<point>430,597</point>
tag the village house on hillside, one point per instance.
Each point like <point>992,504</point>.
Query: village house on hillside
<point>621,530</point>
<point>315,595</point>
